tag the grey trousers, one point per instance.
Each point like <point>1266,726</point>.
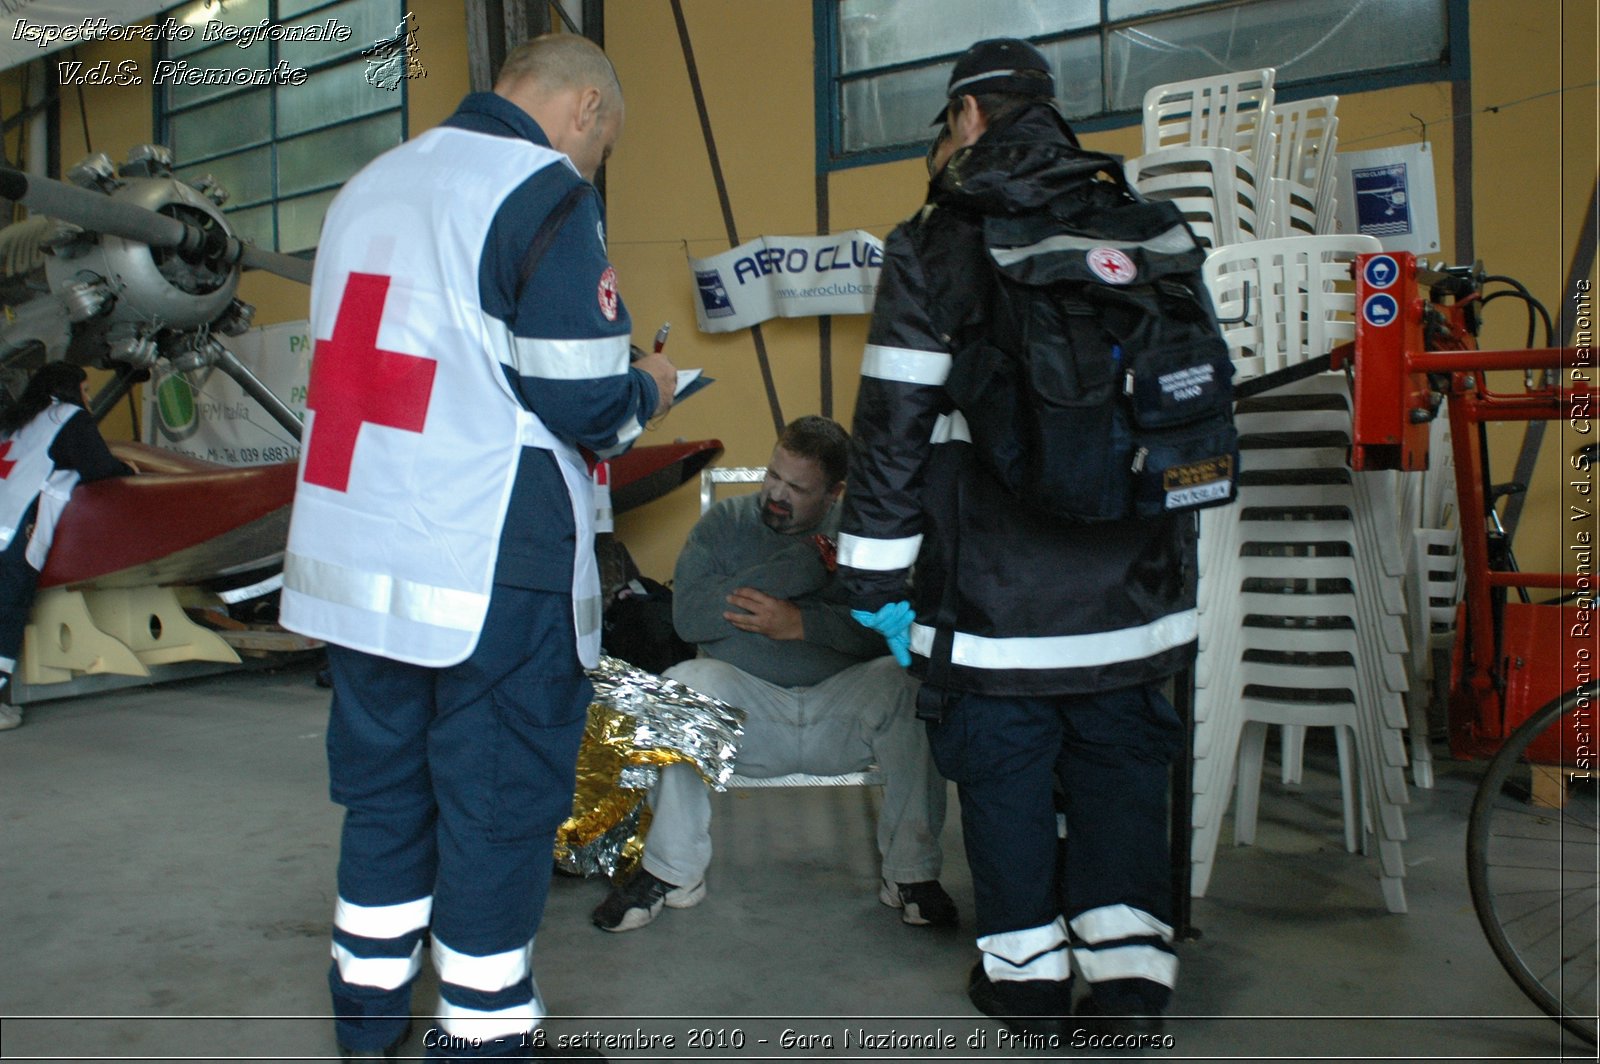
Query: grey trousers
<point>861,716</point>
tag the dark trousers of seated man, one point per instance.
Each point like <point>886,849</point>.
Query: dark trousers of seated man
<point>863,715</point>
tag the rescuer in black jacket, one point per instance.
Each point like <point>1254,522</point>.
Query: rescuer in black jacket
<point>1059,635</point>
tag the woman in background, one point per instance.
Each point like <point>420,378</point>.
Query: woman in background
<point>48,443</point>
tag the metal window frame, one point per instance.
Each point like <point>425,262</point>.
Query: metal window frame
<point>163,113</point>
<point>829,80</point>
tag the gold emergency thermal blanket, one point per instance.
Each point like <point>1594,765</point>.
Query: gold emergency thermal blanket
<point>638,722</point>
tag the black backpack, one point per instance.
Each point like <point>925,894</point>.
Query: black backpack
<point>1099,387</point>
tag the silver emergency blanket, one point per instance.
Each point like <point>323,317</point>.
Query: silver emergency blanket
<point>638,721</point>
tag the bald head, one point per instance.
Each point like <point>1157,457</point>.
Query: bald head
<point>567,85</point>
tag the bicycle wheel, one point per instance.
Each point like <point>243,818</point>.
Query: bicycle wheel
<point>1533,875</point>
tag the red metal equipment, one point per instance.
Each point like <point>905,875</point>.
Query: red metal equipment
<point>1510,657</point>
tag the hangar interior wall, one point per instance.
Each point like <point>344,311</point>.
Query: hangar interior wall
<point>1524,185</point>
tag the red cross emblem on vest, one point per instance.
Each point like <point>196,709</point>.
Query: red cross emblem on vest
<point>355,383</point>
<point>6,466</point>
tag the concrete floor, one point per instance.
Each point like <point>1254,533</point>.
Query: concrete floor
<point>166,876</point>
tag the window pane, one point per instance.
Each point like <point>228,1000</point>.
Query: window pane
<point>200,13</point>
<point>291,8</point>
<point>300,220</point>
<point>369,21</point>
<point>220,127</point>
<point>217,57</point>
<point>875,33</point>
<point>331,156</point>
<point>253,225</point>
<point>1117,10</point>
<point>896,108</point>
<point>328,96</point>
<point>247,176</point>
<point>1304,39</point>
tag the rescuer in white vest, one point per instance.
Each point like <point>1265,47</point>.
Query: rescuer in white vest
<point>48,445</point>
<point>471,346</point>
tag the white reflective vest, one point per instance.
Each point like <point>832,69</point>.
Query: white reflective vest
<point>412,434</point>
<point>27,473</point>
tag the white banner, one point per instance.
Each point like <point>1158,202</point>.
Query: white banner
<point>206,415</point>
<point>787,277</point>
<point>1389,193</point>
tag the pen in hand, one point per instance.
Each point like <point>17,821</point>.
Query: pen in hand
<point>661,336</point>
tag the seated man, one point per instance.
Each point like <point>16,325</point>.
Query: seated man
<point>755,590</point>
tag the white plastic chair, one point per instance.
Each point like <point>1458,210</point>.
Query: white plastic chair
<point>1215,188</point>
<point>1284,301</point>
<point>710,479</point>
<point>1304,135</point>
<point>1225,111</point>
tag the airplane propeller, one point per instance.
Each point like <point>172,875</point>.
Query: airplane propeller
<point>102,213</point>
<point>144,269</point>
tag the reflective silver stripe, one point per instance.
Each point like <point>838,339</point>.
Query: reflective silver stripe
<point>951,427</point>
<point>1127,962</point>
<point>1172,242</point>
<point>985,76</point>
<point>626,434</point>
<point>878,555</point>
<point>385,973</point>
<point>569,360</point>
<point>495,971</point>
<point>459,1021</point>
<point>1111,922</point>
<point>905,364</point>
<point>1065,651</point>
<point>587,615</point>
<point>442,607</point>
<point>382,921</point>
<point>262,587</point>
<point>1032,953</point>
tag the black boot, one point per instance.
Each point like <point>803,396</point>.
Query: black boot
<point>1032,1006</point>
<point>390,1052</point>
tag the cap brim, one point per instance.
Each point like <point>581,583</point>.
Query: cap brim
<point>943,115</point>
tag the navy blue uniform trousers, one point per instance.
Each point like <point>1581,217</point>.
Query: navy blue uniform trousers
<point>1110,752</point>
<point>454,781</point>
<point>19,582</point>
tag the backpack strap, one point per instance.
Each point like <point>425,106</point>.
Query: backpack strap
<point>549,229</point>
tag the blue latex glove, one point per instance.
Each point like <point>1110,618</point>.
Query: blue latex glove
<point>893,622</point>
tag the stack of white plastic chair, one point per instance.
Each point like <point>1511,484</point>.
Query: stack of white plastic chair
<point>1215,188</point>
<point>1301,620</point>
<point>1225,111</point>
<point>1434,582</point>
<point>1298,186</point>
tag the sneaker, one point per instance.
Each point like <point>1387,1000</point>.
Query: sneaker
<point>1036,1007</point>
<point>639,899</point>
<point>924,904</point>
<point>10,717</point>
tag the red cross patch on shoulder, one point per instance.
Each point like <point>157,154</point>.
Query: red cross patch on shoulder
<point>608,293</point>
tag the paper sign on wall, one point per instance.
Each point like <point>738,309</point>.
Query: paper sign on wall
<point>787,277</point>
<point>1389,193</point>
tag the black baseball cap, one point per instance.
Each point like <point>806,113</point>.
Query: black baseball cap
<point>1002,64</point>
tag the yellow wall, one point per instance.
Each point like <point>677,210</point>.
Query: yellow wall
<point>1533,166</point>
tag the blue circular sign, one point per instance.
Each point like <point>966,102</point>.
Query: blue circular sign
<point>1381,271</point>
<point>1380,310</point>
